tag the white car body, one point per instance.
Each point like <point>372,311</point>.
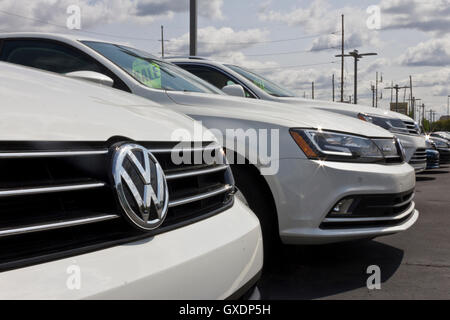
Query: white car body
<point>224,247</point>
<point>413,143</point>
<point>303,191</point>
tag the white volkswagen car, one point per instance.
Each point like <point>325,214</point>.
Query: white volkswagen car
<point>228,76</point>
<point>93,207</point>
<point>329,177</point>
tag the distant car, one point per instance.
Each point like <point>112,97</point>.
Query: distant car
<point>78,162</point>
<point>335,178</point>
<point>441,134</point>
<point>228,77</point>
<point>442,146</point>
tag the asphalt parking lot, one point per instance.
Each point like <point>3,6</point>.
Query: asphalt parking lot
<point>414,264</point>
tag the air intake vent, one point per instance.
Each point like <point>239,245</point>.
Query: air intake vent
<point>57,199</point>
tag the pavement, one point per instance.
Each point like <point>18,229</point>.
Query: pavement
<point>414,264</point>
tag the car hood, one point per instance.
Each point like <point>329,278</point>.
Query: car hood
<point>210,105</point>
<point>344,108</point>
<point>43,106</point>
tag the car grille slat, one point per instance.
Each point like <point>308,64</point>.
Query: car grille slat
<point>420,156</point>
<point>179,202</point>
<point>49,189</point>
<point>56,225</point>
<point>50,154</point>
<point>411,127</point>
<point>186,174</point>
<point>57,198</point>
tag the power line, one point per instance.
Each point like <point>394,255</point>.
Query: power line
<point>256,55</point>
<point>295,66</point>
<point>284,53</point>
<point>269,41</point>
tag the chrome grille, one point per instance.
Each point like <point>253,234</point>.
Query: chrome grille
<point>419,157</point>
<point>411,127</point>
<point>57,199</point>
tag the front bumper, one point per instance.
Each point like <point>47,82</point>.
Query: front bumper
<point>308,190</point>
<point>444,155</point>
<point>210,259</point>
<point>432,159</point>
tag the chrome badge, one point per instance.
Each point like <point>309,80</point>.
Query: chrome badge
<point>140,185</point>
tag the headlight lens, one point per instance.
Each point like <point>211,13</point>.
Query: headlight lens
<point>439,144</point>
<point>391,124</point>
<point>332,146</point>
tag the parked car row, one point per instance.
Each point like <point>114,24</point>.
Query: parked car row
<point>92,179</point>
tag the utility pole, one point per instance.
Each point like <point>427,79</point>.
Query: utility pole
<point>396,88</point>
<point>333,86</point>
<point>411,96</point>
<point>392,86</point>
<point>417,109</point>
<point>448,106</point>
<point>372,87</point>
<point>313,90</point>
<point>376,91</point>
<point>356,55</point>
<point>162,42</point>
<point>342,60</point>
<point>193,28</point>
<point>423,113</point>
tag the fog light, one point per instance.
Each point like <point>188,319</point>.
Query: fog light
<point>343,206</point>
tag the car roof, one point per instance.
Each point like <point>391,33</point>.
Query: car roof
<point>56,36</point>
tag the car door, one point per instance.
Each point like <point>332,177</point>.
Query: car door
<point>53,56</point>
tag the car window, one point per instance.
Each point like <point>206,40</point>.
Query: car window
<point>54,57</point>
<point>149,70</point>
<point>49,56</point>
<point>266,85</point>
<point>213,76</point>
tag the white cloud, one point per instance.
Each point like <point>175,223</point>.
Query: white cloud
<point>49,15</point>
<point>434,52</point>
<point>428,16</point>
<point>214,41</point>
<point>321,19</point>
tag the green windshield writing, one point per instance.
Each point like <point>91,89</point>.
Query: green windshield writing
<point>148,73</point>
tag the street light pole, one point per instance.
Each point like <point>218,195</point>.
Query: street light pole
<point>356,55</point>
<point>448,107</point>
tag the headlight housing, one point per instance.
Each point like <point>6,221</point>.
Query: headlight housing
<point>439,143</point>
<point>391,124</point>
<point>334,146</point>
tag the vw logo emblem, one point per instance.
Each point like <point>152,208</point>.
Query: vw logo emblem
<point>140,185</point>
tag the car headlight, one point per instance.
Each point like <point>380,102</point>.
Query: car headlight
<point>391,124</point>
<point>333,146</point>
<point>440,144</point>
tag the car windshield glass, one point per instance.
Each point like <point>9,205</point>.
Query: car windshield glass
<point>267,85</point>
<point>150,71</point>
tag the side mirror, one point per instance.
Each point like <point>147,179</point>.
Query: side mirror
<point>91,76</point>
<point>234,90</point>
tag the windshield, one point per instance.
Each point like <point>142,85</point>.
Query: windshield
<point>267,85</point>
<point>150,71</point>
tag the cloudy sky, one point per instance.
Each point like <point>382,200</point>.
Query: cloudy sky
<point>291,41</point>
